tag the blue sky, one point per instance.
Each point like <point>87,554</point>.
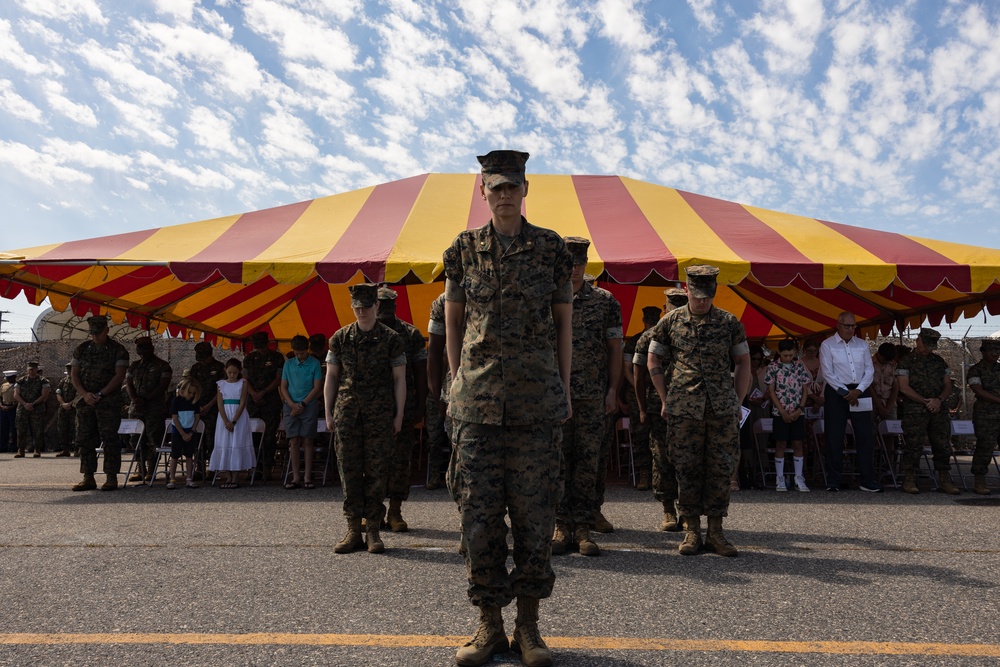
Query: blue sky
<point>125,115</point>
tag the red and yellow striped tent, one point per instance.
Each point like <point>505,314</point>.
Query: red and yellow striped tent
<point>286,269</point>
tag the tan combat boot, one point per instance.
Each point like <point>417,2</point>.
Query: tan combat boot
<point>489,639</point>
<point>20,454</point>
<point>375,544</point>
<point>602,525</point>
<point>560,538</point>
<point>980,485</point>
<point>395,516</point>
<point>945,485</point>
<point>88,484</point>
<point>692,537</point>
<point>670,523</point>
<point>910,482</point>
<point>587,546</point>
<point>352,540</point>
<point>110,484</point>
<point>643,483</point>
<point>527,640</point>
<point>715,539</point>
<point>435,482</point>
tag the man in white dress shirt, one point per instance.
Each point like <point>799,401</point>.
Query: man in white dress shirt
<point>846,365</point>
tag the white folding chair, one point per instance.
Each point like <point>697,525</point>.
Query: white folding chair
<point>888,436</point>
<point>165,449</point>
<point>962,428</point>
<point>892,429</point>
<point>322,453</point>
<point>818,432</point>
<point>128,430</point>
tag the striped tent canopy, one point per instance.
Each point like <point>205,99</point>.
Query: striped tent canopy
<point>285,269</point>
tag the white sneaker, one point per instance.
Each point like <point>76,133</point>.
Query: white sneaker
<point>800,484</point>
<point>780,484</point>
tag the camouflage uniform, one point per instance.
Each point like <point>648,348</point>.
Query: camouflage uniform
<point>31,424</point>
<point>363,414</point>
<point>261,367</point>
<point>146,377</point>
<point>67,416</point>
<point>985,415</point>
<point>597,318</point>
<point>207,373</point>
<point>664,473</point>
<point>97,366</point>
<point>926,375</point>
<point>438,444</point>
<point>505,402</point>
<point>702,404</point>
<point>405,441</point>
<point>8,414</point>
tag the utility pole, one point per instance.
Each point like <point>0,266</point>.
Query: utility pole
<point>2,320</point>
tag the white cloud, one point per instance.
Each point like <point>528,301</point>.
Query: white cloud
<point>79,113</point>
<point>790,28</point>
<point>300,36</point>
<point>181,9</point>
<point>166,170</point>
<point>79,153</point>
<point>119,65</point>
<point>213,130</point>
<point>65,10</point>
<point>704,14</point>
<point>287,138</point>
<point>39,166</point>
<point>14,54</point>
<point>622,22</point>
<point>138,121</point>
<point>17,106</point>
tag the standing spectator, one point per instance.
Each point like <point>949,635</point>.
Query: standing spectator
<point>31,394</point>
<point>301,386</point>
<point>885,391</point>
<point>262,369</point>
<point>98,373</point>
<point>984,380</point>
<point>846,367</point>
<point>207,371</point>
<point>366,393</point>
<point>787,382</point>
<point>146,381</point>
<point>66,395</point>
<point>810,358</point>
<point>233,438</point>
<point>8,413</point>
<point>925,384</point>
<point>509,315</point>
<point>756,402</point>
<point>701,398</point>
<point>594,378</point>
<point>404,441</point>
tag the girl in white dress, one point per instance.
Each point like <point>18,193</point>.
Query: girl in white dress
<point>233,450</point>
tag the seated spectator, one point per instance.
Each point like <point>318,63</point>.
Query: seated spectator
<point>185,413</point>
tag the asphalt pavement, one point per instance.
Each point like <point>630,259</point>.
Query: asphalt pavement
<point>248,577</point>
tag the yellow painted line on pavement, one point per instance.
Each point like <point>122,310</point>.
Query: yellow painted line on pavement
<point>580,643</point>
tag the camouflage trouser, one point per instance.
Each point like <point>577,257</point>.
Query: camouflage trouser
<point>31,429</point>
<point>363,452</point>
<point>664,473</point>
<point>987,436</point>
<point>94,425</point>
<point>705,454</point>
<point>438,444</point>
<point>921,427</point>
<point>640,434</point>
<point>505,470</point>
<point>66,420</point>
<point>403,443</point>
<point>153,422</point>
<point>270,412</point>
<point>582,438</point>
<point>608,443</point>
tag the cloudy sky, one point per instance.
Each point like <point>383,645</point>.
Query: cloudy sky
<point>117,115</point>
